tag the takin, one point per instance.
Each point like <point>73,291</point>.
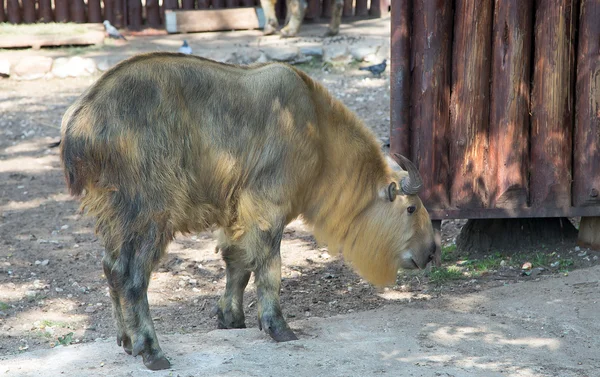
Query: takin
<point>295,15</point>
<point>165,143</point>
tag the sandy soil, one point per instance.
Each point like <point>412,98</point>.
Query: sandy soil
<point>52,291</point>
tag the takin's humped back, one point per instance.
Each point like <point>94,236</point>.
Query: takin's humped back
<point>165,143</point>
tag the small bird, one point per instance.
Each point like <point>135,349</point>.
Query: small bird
<point>185,48</point>
<point>112,31</point>
<point>376,69</point>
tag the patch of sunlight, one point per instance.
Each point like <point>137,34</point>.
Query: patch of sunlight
<point>27,146</point>
<point>18,206</point>
<point>28,164</point>
<point>392,295</point>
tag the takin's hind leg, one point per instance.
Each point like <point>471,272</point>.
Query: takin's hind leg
<point>130,275</point>
<point>336,18</point>
<point>271,23</point>
<point>123,338</point>
<point>230,310</point>
<point>296,10</point>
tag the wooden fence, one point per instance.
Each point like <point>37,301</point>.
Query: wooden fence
<point>134,14</point>
<point>498,103</point>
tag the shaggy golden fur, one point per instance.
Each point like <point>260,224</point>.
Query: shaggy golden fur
<point>165,143</point>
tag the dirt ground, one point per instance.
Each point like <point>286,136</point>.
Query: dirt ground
<point>53,294</point>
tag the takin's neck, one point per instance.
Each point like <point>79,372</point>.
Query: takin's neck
<point>353,171</point>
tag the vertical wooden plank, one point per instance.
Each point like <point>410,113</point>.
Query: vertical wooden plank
<point>586,166</point>
<point>134,14</point>
<point>430,97</point>
<point>379,8</point>
<point>552,103</point>
<point>109,11</point>
<point>231,3</point>
<point>77,11</point>
<point>509,111</point>
<point>28,11</point>
<point>187,4</point>
<point>13,11</point>
<point>118,12</point>
<point>2,14</point>
<point>247,3</point>
<point>94,11</point>
<point>313,10</point>
<point>400,79</point>
<point>216,4</point>
<point>326,8</point>
<point>469,102</point>
<point>153,13</point>
<point>348,8</point>
<point>361,8</point>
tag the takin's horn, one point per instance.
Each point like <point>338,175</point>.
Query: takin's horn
<point>412,184</point>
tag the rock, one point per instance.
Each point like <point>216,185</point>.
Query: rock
<point>32,67</point>
<point>4,68</point>
<point>60,67</point>
<point>246,56</point>
<point>262,59</point>
<point>526,266</point>
<point>73,67</point>
<point>336,54</point>
<point>312,51</point>
<point>536,271</point>
<point>361,52</point>
<point>282,54</point>
<point>90,309</point>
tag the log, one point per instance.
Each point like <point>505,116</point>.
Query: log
<point>77,11</point>
<point>28,11</point>
<point>509,109</point>
<point>469,103</point>
<point>153,13</point>
<point>187,4</point>
<point>94,11</point>
<point>13,11</point>
<point>134,14</point>
<point>109,10</point>
<point>348,8</point>
<point>361,8</point>
<point>119,16</point>
<point>586,174</point>
<point>186,21</point>
<point>313,10</point>
<point>589,232</point>
<point>400,79</point>
<point>552,103</point>
<point>430,97</point>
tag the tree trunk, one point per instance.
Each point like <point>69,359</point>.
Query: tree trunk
<point>513,235</point>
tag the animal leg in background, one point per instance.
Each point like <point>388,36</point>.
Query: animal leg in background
<point>336,17</point>
<point>271,23</point>
<point>296,10</point>
<point>230,310</point>
<point>128,274</point>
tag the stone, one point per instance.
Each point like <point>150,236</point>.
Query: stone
<point>282,54</point>
<point>4,68</point>
<point>32,67</point>
<point>246,56</point>
<point>361,52</point>
<point>336,54</point>
<point>312,51</point>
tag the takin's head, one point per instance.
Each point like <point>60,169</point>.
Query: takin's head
<point>394,231</point>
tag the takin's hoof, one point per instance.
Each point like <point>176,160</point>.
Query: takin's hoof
<point>269,29</point>
<point>156,361</point>
<point>228,320</point>
<point>125,342</point>
<point>288,33</point>
<point>277,329</point>
<point>331,33</point>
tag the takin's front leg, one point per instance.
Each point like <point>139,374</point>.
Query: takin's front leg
<point>230,310</point>
<point>271,23</point>
<point>336,18</point>
<point>128,279</point>
<point>296,10</point>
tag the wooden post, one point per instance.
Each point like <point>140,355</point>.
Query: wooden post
<point>153,13</point>
<point>109,10</point>
<point>348,8</point>
<point>2,14</point>
<point>552,103</point>
<point>586,172</point>
<point>217,4</point>
<point>187,4</point>
<point>361,8</point>
<point>119,17</point>
<point>13,11</point>
<point>379,8</point>
<point>231,3</point>
<point>77,11</point>
<point>313,11</point>
<point>400,79</point>
<point>134,16</point>
<point>247,3</point>
<point>589,231</point>
<point>430,97</point>
<point>28,11</point>
<point>326,8</point>
<point>94,11</point>
<point>509,111</point>
<point>469,104</point>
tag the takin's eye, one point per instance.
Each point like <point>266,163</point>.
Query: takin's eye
<point>411,209</point>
